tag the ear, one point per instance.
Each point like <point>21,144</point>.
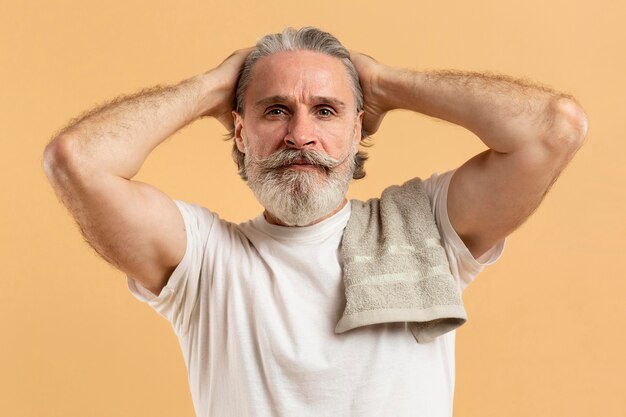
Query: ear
<point>238,130</point>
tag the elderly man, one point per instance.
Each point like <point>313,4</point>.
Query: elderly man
<point>256,306</point>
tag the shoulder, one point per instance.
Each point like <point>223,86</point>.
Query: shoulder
<point>463,264</point>
<point>204,227</point>
<point>207,237</point>
<point>436,186</point>
<point>195,215</point>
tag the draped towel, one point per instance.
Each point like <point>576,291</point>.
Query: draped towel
<point>395,268</point>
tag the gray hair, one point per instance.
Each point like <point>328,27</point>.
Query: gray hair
<point>306,38</point>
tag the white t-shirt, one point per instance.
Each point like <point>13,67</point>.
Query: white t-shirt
<point>255,308</point>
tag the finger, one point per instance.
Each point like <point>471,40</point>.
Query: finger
<point>356,54</point>
<point>239,54</point>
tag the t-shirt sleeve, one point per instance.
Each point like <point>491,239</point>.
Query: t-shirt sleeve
<point>463,265</point>
<point>178,301</point>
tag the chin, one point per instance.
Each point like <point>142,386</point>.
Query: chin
<point>299,197</point>
<point>294,211</point>
<point>300,203</point>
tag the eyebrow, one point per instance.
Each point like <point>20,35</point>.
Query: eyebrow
<point>284,99</point>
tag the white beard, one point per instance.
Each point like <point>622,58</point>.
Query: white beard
<point>299,197</point>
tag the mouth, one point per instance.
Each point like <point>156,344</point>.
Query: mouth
<point>302,164</point>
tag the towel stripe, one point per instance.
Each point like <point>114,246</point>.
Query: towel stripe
<point>412,276</point>
<point>395,250</point>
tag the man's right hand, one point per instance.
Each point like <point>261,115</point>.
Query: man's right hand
<point>226,75</point>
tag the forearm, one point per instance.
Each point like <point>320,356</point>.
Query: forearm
<point>117,138</point>
<point>505,113</point>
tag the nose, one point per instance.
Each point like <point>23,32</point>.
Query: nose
<point>302,132</point>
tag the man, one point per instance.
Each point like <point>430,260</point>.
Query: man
<point>255,305</point>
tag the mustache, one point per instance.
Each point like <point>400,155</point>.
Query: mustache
<point>286,157</point>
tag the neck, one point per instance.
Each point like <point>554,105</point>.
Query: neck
<point>273,220</point>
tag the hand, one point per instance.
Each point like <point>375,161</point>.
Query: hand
<point>226,76</point>
<point>374,106</point>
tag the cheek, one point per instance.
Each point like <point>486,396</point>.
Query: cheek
<point>338,137</point>
<point>263,142</point>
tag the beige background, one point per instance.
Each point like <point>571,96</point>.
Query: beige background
<point>546,330</point>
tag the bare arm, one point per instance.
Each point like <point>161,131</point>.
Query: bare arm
<point>532,133</point>
<point>91,162</point>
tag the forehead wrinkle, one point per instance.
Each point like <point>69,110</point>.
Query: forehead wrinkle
<point>292,77</point>
<point>271,100</point>
<point>328,100</point>
<point>279,99</point>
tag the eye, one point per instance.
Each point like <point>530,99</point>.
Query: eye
<point>275,112</point>
<point>325,112</point>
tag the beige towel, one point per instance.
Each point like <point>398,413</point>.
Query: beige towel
<point>395,268</point>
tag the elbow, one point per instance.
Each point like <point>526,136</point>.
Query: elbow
<point>569,126</point>
<point>58,158</point>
